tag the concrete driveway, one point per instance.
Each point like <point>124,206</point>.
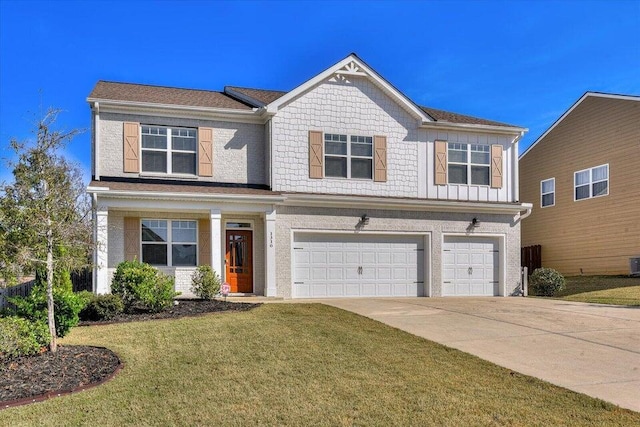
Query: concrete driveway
<point>592,349</point>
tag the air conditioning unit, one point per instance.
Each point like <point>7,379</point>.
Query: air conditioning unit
<point>634,266</point>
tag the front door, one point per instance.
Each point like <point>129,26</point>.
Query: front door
<point>239,261</point>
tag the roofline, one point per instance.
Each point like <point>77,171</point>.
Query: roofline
<point>175,195</point>
<point>510,130</point>
<point>273,106</point>
<point>575,104</point>
<point>244,97</point>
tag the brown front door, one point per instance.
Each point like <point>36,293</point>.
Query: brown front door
<point>239,261</point>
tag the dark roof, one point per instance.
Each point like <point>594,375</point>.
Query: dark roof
<point>262,95</point>
<point>179,188</point>
<point>164,95</point>
<point>446,116</point>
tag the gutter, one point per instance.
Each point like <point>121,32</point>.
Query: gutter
<point>125,194</point>
<point>470,127</point>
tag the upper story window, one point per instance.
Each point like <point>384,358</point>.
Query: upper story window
<point>170,243</point>
<point>169,150</point>
<point>591,182</point>
<point>468,164</point>
<point>548,192</point>
<point>348,156</point>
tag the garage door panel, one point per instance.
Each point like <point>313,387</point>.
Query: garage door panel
<point>358,265</point>
<point>470,264</point>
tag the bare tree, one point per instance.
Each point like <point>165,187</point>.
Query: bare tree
<point>45,214</point>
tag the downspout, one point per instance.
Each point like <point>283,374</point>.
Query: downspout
<point>94,273</point>
<point>529,209</point>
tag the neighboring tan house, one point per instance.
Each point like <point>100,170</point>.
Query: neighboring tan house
<point>583,178</point>
<point>340,187</point>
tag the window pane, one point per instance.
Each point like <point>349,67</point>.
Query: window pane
<point>547,199</point>
<point>187,144</point>
<point>582,178</point>
<point>480,158</point>
<point>457,156</point>
<point>154,231</point>
<point>154,161</point>
<point>154,254</point>
<point>183,255</point>
<point>154,141</point>
<point>183,163</point>
<point>600,173</point>
<point>183,231</point>
<point>480,175</point>
<point>335,148</point>
<point>361,168</point>
<point>600,188</point>
<point>457,174</point>
<point>361,150</point>
<point>582,192</point>
<point>335,166</point>
<point>548,186</point>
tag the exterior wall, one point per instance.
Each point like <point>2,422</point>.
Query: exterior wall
<point>436,223</point>
<point>238,148</point>
<point>590,236</point>
<point>359,107</point>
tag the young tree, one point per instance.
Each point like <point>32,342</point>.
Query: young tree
<point>45,214</point>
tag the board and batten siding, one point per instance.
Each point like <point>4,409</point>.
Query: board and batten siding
<point>590,236</point>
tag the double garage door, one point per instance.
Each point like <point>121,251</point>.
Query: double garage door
<point>343,265</point>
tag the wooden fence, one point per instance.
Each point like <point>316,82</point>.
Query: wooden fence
<point>531,257</point>
<point>14,291</point>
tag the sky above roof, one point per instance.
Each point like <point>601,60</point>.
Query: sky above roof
<point>522,63</point>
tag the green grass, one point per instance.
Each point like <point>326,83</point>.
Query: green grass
<point>307,365</point>
<point>618,290</point>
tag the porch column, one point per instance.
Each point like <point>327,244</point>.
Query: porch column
<point>216,241</point>
<point>102,285</point>
<point>270,253</point>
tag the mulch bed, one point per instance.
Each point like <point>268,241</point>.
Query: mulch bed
<point>75,368</point>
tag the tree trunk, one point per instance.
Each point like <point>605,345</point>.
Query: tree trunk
<point>50,307</point>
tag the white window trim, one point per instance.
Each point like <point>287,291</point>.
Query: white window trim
<point>170,242</point>
<point>348,156</point>
<point>469,164</point>
<point>169,151</point>
<point>542,194</point>
<point>591,182</point>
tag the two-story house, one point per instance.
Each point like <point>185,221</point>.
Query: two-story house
<point>583,175</point>
<point>340,187</point>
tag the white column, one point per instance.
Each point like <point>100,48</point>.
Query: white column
<point>102,285</point>
<point>270,253</point>
<point>216,241</point>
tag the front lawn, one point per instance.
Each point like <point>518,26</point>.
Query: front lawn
<point>295,364</point>
<point>619,290</point>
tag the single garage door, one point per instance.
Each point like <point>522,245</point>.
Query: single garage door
<point>342,265</point>
<point>470,266</point>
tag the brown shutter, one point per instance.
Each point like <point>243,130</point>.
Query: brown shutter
<point>496,166</point>
<point>131,147</point>
<point>380,158</point>
<point>131,238</point>
<point>315,154</point>
<point>441,163</point>
<point>204,242</point>
<point>205,151</point>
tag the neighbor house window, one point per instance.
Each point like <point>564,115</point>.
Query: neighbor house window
<point>169,242</point>
<point>348,156</point>
<point>548,192</point>
<point>591,182</point>
<point>468,164</point>
<point>169,150</point>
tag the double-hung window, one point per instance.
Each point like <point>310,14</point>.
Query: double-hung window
<point>169,242</point>
<point>348,156</point>
<point>169,150</point>
<point>548,192</point>
<point>591,182</point>
<point>468,164</point>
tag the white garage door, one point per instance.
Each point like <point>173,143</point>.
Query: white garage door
<point>470,266</point>
<point>341,265</point>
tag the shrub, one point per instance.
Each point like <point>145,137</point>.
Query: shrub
<point>142,287</point>
<point>546,282</point>
<point>61,279</point>
<point>102,307</point>
<point>20,337</point>
<point>205,282</point>
<point>33,307</point>
<point>85,297</point>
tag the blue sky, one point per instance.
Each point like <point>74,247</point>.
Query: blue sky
<point>517,62</point>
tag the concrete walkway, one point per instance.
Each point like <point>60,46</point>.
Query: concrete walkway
<point>588,348</point>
